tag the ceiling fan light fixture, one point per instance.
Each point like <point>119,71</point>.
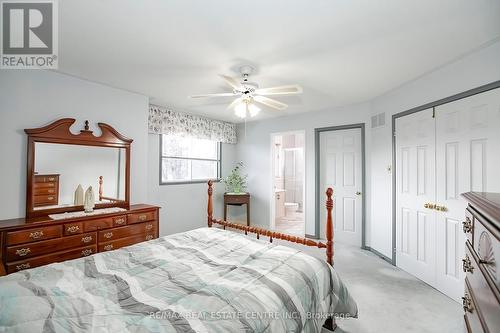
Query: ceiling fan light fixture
<point>240,110</point>
<point>253,110</point>
<point>245,109</point>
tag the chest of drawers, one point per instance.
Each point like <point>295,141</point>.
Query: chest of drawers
<point>46,190</point>
<point>481,300</point>
<point>29,244</point>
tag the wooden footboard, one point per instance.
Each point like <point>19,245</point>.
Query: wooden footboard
<point>278,235</point>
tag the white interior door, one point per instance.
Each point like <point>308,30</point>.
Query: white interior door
<point>437,159</point>
<point>341,169</point>
<point>468,159</point>
<point>416,186</point>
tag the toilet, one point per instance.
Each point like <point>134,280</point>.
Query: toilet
<point>291,208</point>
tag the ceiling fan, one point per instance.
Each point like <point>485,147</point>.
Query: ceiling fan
<point>248,93</point>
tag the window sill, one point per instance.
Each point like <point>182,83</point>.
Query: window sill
<point>187,182</point>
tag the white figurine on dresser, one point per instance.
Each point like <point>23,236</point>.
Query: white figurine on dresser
<point>79,195</point>
<point>89,201</point>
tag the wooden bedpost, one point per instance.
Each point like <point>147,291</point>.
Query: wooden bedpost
<point>329,226</point>
<point>100,188</point>
<point>209,206</point>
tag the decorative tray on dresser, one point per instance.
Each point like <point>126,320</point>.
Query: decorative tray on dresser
<point>56,228</point>
<point>481,301</point>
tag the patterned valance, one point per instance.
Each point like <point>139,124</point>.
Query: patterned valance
<point>166,121</point>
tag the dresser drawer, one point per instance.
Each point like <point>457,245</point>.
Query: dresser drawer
<point>73,228</point>
<point>487,247</point>
<point>32,235</point>
<point>44,185</point>
<point>119,220</point>
<point>20,252</point>
<point>122,242</point>
<point>48,259</point>
<point>45,191</point>
<point>472,316</point>
<point>141,217</point>
<point>46,178</point>
<point>94,225</point>
<point>486,295</point>
<point>47,199</point>
<point>127,231</point>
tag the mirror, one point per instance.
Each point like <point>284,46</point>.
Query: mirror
<point>60,160</point>
<point>61,168</point>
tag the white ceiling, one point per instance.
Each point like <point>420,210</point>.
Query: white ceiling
<point>340,51</point>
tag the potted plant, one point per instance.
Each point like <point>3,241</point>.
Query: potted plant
<point>235,182</point>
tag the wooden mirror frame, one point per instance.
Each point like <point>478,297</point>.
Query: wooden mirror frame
<point>59,132</point>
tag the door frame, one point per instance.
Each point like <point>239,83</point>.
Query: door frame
<point>272,210</point>
<point>319,197</point>
<point>431,105</point>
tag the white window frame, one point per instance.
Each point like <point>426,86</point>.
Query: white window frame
<point>194,181</point>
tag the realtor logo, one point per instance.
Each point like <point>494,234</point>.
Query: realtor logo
<point>29,34</point>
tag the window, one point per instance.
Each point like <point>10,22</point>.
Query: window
<point>188,160</point>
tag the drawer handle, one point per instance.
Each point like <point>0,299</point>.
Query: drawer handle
<point>108,247</point>
<point>149,227</point>
<point>143,217</point>
<point>50,190</point>
<point>23,266</point>
<point>51,184</point>
<point>467,225</point>
<point>51,179</point>
<point>73,228</point>
<point>36,234</point>
<point>467,265</point>
<point>86,252</point>
<point>108,235</point>
<point>149,237</point>
<point>50,198</point>
<point>467,303</point>
<point>120,221</point>
<point>86,239</point>
<point>22,252</point>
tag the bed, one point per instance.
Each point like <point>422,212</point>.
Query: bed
<point>203,280</point>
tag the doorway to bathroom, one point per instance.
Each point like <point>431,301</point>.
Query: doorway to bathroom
<point>288,182</point>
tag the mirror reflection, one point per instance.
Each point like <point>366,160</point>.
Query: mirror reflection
<point>64,172</point>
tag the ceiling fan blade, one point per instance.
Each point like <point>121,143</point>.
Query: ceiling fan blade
<point>281,90</point>
<point>234,103</point>
<point>213,95</point>
<point>272,103</point>
<point>231,81</point>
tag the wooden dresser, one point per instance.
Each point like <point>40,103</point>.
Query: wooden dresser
<point>481,301</point>
<point>45,190</point>
<point>40,241</point>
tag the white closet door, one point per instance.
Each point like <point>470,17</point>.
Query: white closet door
<point>415,186</point>
<point>340,168</point>
<point>468,159</point>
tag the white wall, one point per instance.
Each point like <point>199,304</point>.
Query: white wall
<point>184,207</point>
<point>471,71</point>
<point>254,149</point>
<point>34,98</point>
